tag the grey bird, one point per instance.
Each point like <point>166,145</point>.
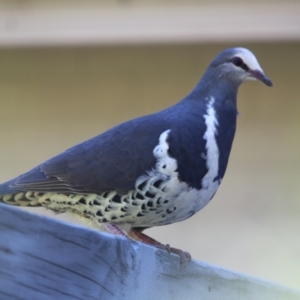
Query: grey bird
<point>150,171</point>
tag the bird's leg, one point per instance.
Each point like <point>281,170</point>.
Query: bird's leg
<point>185,257</point>
<point>136,235</point>
<point>113,229</point>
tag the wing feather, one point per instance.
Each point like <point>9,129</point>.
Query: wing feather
<point>110,161</point>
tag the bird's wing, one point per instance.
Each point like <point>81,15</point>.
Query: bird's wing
<point>111,161</point>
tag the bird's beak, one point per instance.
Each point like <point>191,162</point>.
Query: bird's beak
<point>261,76</point>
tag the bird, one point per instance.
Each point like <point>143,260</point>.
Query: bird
<point>150,171</point>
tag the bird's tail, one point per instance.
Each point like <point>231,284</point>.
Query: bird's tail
<point>18,198</point>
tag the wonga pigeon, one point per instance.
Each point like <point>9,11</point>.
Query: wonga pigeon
<point>150,171</point>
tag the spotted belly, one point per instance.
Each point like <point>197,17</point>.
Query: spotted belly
<point>155,201</point>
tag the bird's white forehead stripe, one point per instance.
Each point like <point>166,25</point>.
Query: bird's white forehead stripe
<point>248,58</point>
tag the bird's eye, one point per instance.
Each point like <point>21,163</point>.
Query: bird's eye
<point>237,61</point>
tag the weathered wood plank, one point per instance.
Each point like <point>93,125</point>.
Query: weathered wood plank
<point>42,258</point>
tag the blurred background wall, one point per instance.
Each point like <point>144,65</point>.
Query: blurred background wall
<point>69,71</point>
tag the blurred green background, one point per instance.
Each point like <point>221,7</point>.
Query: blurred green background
<point>54,97</point>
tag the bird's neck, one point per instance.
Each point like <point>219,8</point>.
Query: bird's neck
<point>214,85</point>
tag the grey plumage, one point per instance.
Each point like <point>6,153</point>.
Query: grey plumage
<point>153,170</point>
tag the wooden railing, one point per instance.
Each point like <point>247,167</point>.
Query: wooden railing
<point>42,258</point>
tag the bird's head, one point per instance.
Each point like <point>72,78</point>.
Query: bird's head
<point>239,65</point>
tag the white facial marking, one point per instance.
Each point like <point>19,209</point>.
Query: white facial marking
<point>248,58</point>
<point>212,156</point>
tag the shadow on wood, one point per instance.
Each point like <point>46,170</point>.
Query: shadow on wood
<point>43,259</point>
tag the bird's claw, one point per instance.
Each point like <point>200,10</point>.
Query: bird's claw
<point>184,256</point>
<point>168,248</point>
